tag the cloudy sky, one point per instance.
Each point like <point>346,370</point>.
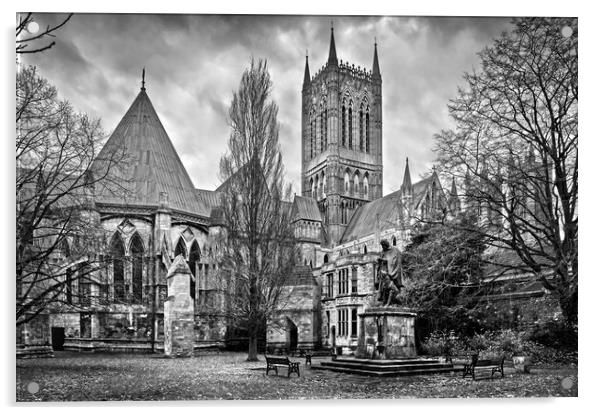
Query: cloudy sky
<point>194,62</point>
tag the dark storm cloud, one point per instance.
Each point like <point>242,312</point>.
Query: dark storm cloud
<point>194,63</point>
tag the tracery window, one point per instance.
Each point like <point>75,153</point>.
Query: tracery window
<point>137,253</point>
<point>193,260</point>
<point>361,127</point>
<point>350,125</point>
<point>343,124</point>
<point>180,248</point>
<point>367,131</point>
<point>117,256</point>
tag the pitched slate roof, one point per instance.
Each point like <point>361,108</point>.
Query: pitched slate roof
<point>380,213</point>
<point>306,208</point>
<point>301,275</point>
<point>420,188</point>
<point>211,198</point>
<point>151,164</point>
<point>383,213</point>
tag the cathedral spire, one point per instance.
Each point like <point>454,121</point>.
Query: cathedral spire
<point>306,77</point>
<point>143,88</point>
<point>406,186</point>
<point>454,190</point>
<point>375,65</point>
<point>332,54</point>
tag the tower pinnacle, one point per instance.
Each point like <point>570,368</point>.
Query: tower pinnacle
<point>454,190</point>
<point>406,186</point>
<point>306,77</point>
<point>332,54</point>
<point>143,88</point>
<point>375,65</point>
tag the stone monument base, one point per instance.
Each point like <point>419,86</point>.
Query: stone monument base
<point>386,333</point>
<point>178,311</point>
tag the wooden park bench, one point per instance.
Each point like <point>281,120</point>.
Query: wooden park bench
<point>273,362</point>
<point>306,353</point>
<point>495,365</point>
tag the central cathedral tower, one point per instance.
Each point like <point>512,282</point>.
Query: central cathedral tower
<point>341,139</point>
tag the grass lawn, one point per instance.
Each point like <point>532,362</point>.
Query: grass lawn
<point>85,377</point>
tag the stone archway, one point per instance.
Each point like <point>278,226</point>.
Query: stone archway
<point>292,334</point>
<point>333,336</point>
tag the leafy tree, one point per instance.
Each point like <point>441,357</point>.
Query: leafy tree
<point>259,239</point>
<point>442,265</point>
<point>515,143</point>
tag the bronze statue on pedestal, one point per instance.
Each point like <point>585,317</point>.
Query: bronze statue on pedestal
<point>390,275</point>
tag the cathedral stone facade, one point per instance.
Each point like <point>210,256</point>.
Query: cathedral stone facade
<point>158,215</point>
<point>342,215</point>
<point>150,213</point>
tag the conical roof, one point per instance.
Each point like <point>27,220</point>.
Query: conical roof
<point>147,164</point>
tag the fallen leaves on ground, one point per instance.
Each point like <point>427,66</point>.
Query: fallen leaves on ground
<point>81,377</point>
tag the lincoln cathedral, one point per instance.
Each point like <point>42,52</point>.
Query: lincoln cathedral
<point>339,217</point>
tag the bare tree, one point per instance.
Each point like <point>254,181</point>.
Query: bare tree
<point>58,235</point>
<point>515,143</point>
<point>28,42</point>
<point>260,244</point>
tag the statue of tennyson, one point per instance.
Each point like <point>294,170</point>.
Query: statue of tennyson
<point>390,274</point>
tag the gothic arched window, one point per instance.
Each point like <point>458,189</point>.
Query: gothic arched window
<point>137,253</point>
<point>117,255</point>
<point>312,136</point>
<point>367,130</point>
<point>323,142</point>
<point>350,125</point>
<point>180,248</point>
<point>312,186</point>
<point>356,184</point>
<point>361,127</point>
<point>347,179</point>
<point>66,252</point>
<point>193,259</point>
<point>343,124</point>
<point>322,186</point>
<point>366,188</point>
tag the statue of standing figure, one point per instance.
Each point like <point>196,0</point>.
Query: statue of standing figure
<point>390,275</point>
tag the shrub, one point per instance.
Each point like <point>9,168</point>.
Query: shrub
<point>492,343</point>
<point>554,334</point>
<point>443,343</point>
<point>513,343</point>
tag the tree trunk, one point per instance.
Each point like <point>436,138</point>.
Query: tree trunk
<point>252,357</point>
<point>569,307</point>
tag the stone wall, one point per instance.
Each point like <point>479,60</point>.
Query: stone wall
<point>523,313</point>
<point>34,332</point>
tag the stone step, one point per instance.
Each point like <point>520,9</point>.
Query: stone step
<point>394,362</point>
<point>388,368</point>
<point>404,372</point>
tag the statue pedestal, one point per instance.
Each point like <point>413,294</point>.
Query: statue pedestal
<point>386,333</point>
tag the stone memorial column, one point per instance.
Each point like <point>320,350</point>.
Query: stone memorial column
<point>179,311</point>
